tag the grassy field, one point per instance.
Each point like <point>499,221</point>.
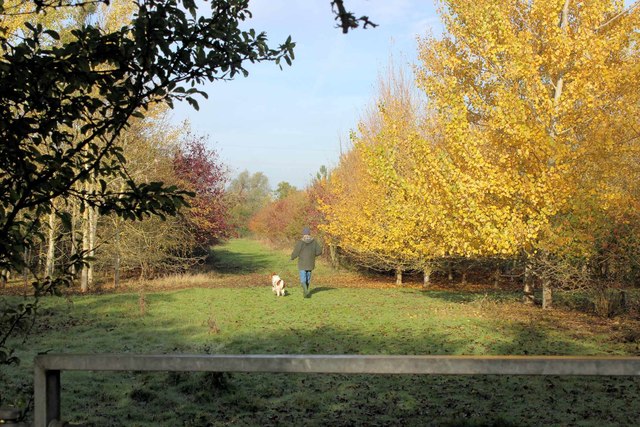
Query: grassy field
<point>233,311</point>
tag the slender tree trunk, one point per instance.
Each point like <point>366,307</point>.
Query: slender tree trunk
<point>547,298</point>
<point>93,225</point>
<point>74,242</point>
<point>116,262</point>
<point>333,255</point>
<point>428,269</point>
<point>547,295</point>
<point>118,254</point>
<point>4,277</point>
<point>40,256</point>
<point>564,21</point>
<point>143,271</point>
<point>528,297</point>
<point>450,271</point>
<point>559,81</point>
<point>84,277</point>
<point>496,278</point>
<point>25,272</point>
<point>398,276</point>
<point>51,245</point>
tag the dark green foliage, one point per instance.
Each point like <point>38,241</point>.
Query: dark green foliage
<point>63,106</point>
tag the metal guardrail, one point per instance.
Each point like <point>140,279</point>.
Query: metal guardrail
<point>48,367</point>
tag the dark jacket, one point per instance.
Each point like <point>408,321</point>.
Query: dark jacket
<point>306,250</point>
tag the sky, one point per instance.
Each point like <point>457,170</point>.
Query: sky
<point>288,123</point>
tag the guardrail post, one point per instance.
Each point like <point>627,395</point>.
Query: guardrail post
<point>46,395</point>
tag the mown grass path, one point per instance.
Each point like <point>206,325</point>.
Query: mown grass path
<point>245,262</point>
<point>233,311</point>
<point>252,263</point>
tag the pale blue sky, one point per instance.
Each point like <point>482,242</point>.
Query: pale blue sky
<point>287,123</point>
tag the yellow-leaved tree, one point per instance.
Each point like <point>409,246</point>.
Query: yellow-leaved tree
<point>379,213</point>
<point>523,90</point>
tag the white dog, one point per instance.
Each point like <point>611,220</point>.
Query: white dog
<point>277,285</point>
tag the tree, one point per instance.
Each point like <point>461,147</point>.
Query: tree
<point>519,153</point>
<point>65,98</point>
<point>63,104</point>
<point>202,172</point>
<point>150,246</point>
<point>523,90</point>
<point>361,213</point>
<point>382,210</point>
<point>283,190</point>
<point>281,221</point>
<point>247,194</point>
<point>47,90</point>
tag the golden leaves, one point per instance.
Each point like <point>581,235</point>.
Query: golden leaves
<point>522,96</point>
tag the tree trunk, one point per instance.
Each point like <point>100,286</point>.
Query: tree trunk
<point>25,272</point>
<point>116,262</point>
<point>4,277</point>
<point>450,270</point>
<point>496,278</point>
<point>559,83</point>
<point>93,225</point>
<point>143,271</point>
<point>547,295</point>
<point>118,254</point>
<point>398,276</point>
<point>547,298</point>
<point>84,276</point>
<point>528,297</point>
<point>333,255</point>
<point>427,276</point>
<point>74,242</point>
<point>51,246</point>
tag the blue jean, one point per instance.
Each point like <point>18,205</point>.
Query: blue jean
<point>305,279</point>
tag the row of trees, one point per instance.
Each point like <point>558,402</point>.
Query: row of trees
<point>519,141</point>
<point>515,148</point>
<point>218,208</point>
<point>281,220</point>
<point>109,244</point>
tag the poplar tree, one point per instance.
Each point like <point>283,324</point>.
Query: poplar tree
<point>523,90</point>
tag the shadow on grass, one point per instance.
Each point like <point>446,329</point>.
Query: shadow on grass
<point>532,339</point>
<point>228,262</point>
<point>319,289</point>
<point>270,399</point>
<point>467,297</point>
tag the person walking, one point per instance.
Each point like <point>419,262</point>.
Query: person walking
<point>306,250</point>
